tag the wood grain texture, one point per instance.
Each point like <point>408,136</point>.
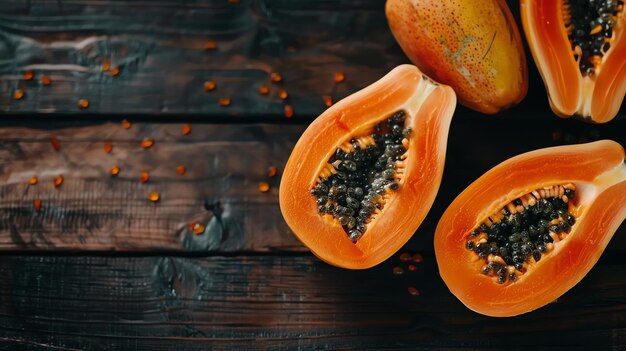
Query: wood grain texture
<point>224,164</point>
<point>93,210</point>
<point>159,48</point>
<point>280,303</point>
<point>246,282</point>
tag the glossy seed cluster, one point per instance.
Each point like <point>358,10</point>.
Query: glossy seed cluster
<point>361,173</point>
<point>527,229</point>
<point>590,26</point>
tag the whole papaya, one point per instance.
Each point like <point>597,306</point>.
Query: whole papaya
<point>472,46</point>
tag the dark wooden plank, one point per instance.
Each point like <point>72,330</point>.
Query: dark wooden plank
<point>224,164</point>
<point>92,210</point>
<point>273,302</point>
<point>159,45</point>
<point>159,49</point>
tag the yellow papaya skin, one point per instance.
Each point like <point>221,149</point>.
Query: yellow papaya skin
<point>473,46</point>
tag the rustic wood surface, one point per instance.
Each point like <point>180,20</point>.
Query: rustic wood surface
<point>159,49</point>
<point>94,210</point>
<point>224,165</point>
<point>281,303</point>
<point>101,267</point>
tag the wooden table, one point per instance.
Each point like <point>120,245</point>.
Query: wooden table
<point>100,267</point>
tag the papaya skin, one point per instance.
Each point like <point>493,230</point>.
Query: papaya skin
<point>599,173</point>
<point>593,99</point>
<point>429,107</point>
<point>473,46</point>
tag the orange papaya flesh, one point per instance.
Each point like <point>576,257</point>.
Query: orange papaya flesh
<point>532,227</point>
<point>473,46</point>
<point>404,116</point>
<point>579,47</point>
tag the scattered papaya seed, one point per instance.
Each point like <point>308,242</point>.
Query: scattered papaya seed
<point>180,169</point>
<point>339,77</point>
<point>417,258</point>
<point>413,291</point>
<point>58,181</point>
<point>18,94</point>
<point>33,180</point>
<point>56,143</point>
<point>154,196</point>
<point>328,100</point>
<point>27,75</point>
<point>271,171</point>
<point>45,80</point>
<point>276,77</point>
<point>288,111</point>
<point>37,204</point>
<point>210,45</point>
<point>106,65</point>
<point>108,147</point>
<point>283,94</point>
<point>405,257</point>
<point>264,90</point>
<point>186,129</point>
<point>209,85</point>
<point>224,102</point>
<point>196,228</point>
<point>147,143</point>
<point>397,270</point>
<point>144,177</point>
<point>83,103</point>
<point>114,71</point>
<point>126,124</point>
<point>264,187</point>
<point>412,267</point>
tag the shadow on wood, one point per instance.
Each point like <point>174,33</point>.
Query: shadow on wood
<point>272,302</point>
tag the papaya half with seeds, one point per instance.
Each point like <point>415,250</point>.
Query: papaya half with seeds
<point>363,175</point>
<point>472,46</point>
<point>579,47</point>
<point>532,227</point>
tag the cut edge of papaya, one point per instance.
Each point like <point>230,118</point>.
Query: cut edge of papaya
<point>548,43</point>
<point>429,107</point>
<point>599,172</point>
<point>611,88</point>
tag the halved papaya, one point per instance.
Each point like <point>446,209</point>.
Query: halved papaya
<point>473,46</point>
<point>364,174</point>
<point>532,227</point>
<point>579,47</point>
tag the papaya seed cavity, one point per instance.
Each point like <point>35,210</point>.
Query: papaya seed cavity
<point>523,231</point>
<point>360,176</point>
<point>590,25</point>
